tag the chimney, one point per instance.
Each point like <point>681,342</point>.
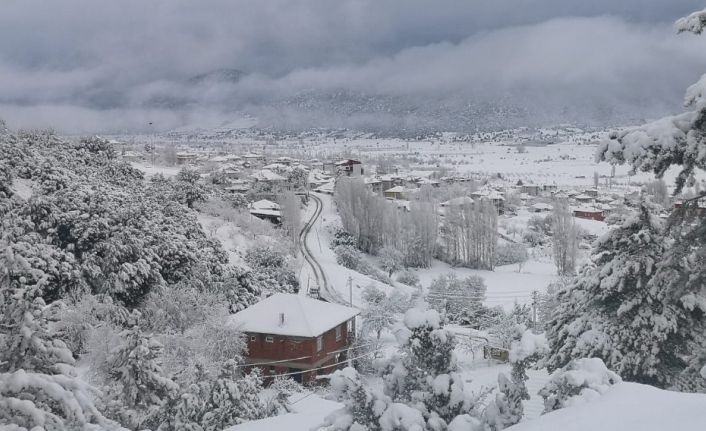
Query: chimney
<point>281,319</point>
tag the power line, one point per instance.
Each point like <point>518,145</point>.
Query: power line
<point>322,367</point>
<point>302,357</point>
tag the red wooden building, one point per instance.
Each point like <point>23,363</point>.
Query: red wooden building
<point>589,213</point>
<point>296,335</point>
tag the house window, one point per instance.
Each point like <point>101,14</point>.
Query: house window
<point>319,344</point>
<point>338,333</point>
<point>349,326</point>
<point>269,339</point>
<point>253,338</point>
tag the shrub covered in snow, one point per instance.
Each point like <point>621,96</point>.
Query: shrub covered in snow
<point>422,387</point>
<point>510,254</point>
<point>582,380</point>
<point>460,299</point>
<point>348,256</point>
<point>408,277</point>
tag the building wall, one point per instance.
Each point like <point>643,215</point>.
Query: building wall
<point>283,348</point>
<point>589,216</point>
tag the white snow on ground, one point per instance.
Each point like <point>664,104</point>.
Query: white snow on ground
<point>22,188</point>
<point>309,412</point>
<point>627,406</point>
<point>149,170</point>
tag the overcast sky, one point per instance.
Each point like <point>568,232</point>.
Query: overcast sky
<point>91,65</point>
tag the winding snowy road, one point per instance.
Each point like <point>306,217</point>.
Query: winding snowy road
<point>325,292</point>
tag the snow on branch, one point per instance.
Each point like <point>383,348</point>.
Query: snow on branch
<point>656,146</point>
<point>693,23</point>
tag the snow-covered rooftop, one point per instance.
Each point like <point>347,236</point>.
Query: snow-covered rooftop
<point>463,200</point>
<point>267,175</point>
<point>303,316</point>
<point>264,204</point>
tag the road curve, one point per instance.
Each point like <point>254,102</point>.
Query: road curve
<point>316,269</point>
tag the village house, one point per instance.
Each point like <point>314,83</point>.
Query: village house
<point>591,192</point>
<point>266,210</point>
<point>583,198</point>
<point>349,168</point>
<point>296,335</point>
<point>589,213</point>
<point>693,209</point>
<point>131,156</point>
<point>397,192</point>
<point>275,180</point>
<point>494,196</point>
<point>374,184</point>
<point>530,189</point>
<point>185,158</point>
<point>541,207</point>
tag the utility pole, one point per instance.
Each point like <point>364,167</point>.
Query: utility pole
<point>350,290</point>
<point>535,304</point>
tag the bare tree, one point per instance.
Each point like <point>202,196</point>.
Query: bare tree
<point>565,238</point>
<point>290,205</point>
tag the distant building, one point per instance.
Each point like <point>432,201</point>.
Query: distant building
<point>584,198</point>
<point>296,335</point>
<point>266,210</point>
<point>694,209</point>
<point>349,168</point>
<point>530,189</point>
<point>185,158</point>
<point>541,207</point>
<point>374,184</point>
<point>589,213</point>
<point>397,192</point>
<point>132,156</point>
<point>591,192</point>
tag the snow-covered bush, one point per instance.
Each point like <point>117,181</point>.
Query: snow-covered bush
<point>348,256</point>
<point>582,380</point>
<point>424,373</point>
<point>533,238</point>
<point>271,270</point>
<point>341,237</point>
<point>511,253</point>
<point>39,387</point>
<point>391,259</point>
<point>409,278</point>
<point>368,409</point>
<point>506,409</point>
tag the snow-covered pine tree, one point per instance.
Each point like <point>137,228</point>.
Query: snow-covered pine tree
<point>233,399</point>
<point>140,388</point>
<point>616,310</point>
<point>39,387</point>
<point>655,147</point>
<point>424,374</point>
<point>506,409</point>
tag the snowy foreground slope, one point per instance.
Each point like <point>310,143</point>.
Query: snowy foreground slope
<point>627,407</point>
